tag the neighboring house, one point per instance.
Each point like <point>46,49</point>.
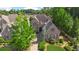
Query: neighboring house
<point>44,27</point>
<point>5,25</point>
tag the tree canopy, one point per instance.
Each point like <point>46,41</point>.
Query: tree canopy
<point>22,33</point>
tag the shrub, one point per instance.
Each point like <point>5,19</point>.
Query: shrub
<point>68,48</point>
<point>1,40</point>
<point>41,45</point>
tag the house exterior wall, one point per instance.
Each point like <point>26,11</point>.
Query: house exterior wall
<point>50,32</point>
<point>6,33</point>
<point>0,24</point>
<point>4,23</point>
<point>40,36</point>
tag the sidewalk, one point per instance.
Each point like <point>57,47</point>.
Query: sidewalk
<point>34,45</point>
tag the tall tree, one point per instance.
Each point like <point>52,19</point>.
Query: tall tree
<point>12,11</point>
<point>62,19</point>
<point>22,33</point>
<point>75,29</point>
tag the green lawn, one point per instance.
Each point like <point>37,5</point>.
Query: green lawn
<point>54,48</point>
<point>5,49</point>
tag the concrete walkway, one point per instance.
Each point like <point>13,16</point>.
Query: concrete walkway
<point>34,45</point>
<point>65,43</point>
<point>46,46</point>
<point>0,35</point>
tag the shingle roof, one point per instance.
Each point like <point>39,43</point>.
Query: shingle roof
<point>54,30</point>
<point>6,24</point>
<point>12,18</point>
<point>6,19</point>
<point>41,19</point>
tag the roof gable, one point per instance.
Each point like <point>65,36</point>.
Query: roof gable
<point>12,18</point>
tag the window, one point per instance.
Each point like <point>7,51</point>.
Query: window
<point>52,29</point>
<point>7,37</point>
<point>0,29</point>
<point>40,29</point>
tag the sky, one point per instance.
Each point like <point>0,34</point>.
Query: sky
<point>38,3</point>
<point>18,8</point>
<point>23,3</point>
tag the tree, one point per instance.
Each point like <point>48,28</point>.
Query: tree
<point>75,33</point>
<point>74,11</point>
<point>22,11</point>
<point>12,11</point>
<point>22,33</point>
<point>4,12</point>
<point>62,19</point>
<point>75,29</point>
<point>46,10</point>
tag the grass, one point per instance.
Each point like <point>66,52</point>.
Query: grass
<point>54,48</point>
<point>5,49</point>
